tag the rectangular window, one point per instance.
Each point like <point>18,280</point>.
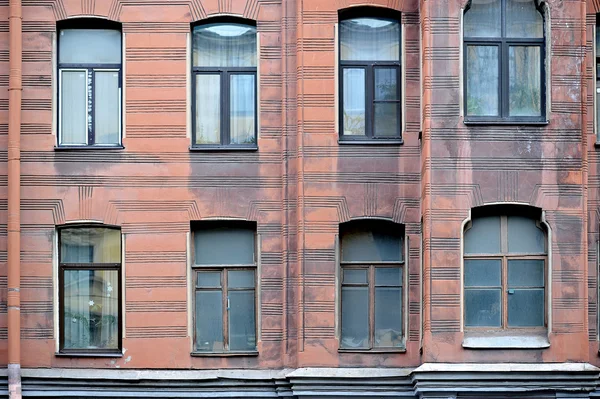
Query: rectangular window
<point>224,81</point>
<point>372,286</point>
<point>89,290</point>
<point>89,93</point>
<point>370,79</point>
<point>225,284</point>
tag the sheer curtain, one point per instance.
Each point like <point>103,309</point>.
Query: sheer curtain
<point>242,109</point>
<point>106,98</point>
<point>225,45</point>
<point>369,39</point>
<point>208,109</point>
<point>73,107</point>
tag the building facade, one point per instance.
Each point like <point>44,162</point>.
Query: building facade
<point>299,198</point>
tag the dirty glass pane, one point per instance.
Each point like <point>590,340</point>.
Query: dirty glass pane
<point>240,279</point>
<point>208,109</point>
<point>224,246</point>
<point>371,242</point>
<point>525,273</point>
<point>388,276</point>
<point>386,85</point>
<point>224,45</point>
<point>73,107</point>
<point>483,308</point>
<point>483,273</point>
<point>209,321</point>
<point>242,327</point>
<point>106,107</point>
<point>483,19</point>
<point>91,309</point>
<point>355,317</point>
<point>526,308</point>
<point>208,279</point>
<point>354,101</point>
<point>482,81</point>
<point>484,236</point>
<point>90,245</point>
<point>242,99</point>
<point>388,317</point>
<point>523,20</point>
<point>524,236</point>
<point>355,276</point>
<point>369,39</point>
<point>386,119</point>
<point>524,81</point>
<point>89,46</point>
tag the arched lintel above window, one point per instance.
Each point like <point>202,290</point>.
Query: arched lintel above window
<point>512,209</point>
<point>224,19</point>
<point>539,4</point>
<point>89,22</point>
<point>370,11</point>
<point>92,224</point>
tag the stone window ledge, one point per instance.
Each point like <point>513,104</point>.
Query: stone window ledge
<point>495,340</point>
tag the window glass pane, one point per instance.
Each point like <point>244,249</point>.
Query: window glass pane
<point>224,246</point>
<point>355,276</point>
<point>106,111</point>
<point>240,279</point>
<point>598,104</point>
<point>91,309</point>
<point>388,317</point>
<point>242,329</point>
<point>523,20</point>
<point>388,276</point>
<point>371,242</point>
<point>526,273</point>
<point>524,236</point>
<point>354,101</point>
<point>369,39</point>
<point>208,109</point>
<point>89,46</point>
<point>524,81</point>
<point>598,42</point>
<point>483,308</point>
<point>484,236</point>
<point>483,19</point>
<point>386,84</point>
<point>482,80</point>
<point>208,279</point>
<point>386,119</point>
<point>224,45</point>
<point>526,308</point>
<point>209,321</point>
<point>242,100</point>
<point>90,245</point>
<point>483,273</point>
<point>355,317</point>
<point>73,115</point>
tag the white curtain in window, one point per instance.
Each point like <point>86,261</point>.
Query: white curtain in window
<point>242,109</point>
<point>73,120</point>
<point>106,101</point>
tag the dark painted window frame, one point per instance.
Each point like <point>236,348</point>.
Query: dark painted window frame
<point>88,266</point>
<point>504,43</point>
<point>90,69</point>
<point>224,74</point>
<point>369,67</point>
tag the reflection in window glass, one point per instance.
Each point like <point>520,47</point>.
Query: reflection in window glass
<point>524,81</point>
<point>483,19</point>
<point>482,81</point>
<point>90,245</point>
<point>209,321</point>
<point>371,242</point>
<point>107,111</point>
<point>484,236</point>
<point>369,39</point>
<point>242,109</point>
<point>354,101</point>
<point>73,110</point>
<point>208,109</point>
<point>523,20</point>
<point>224,45</point>
<point>89,46</point>
<point>355,317</point>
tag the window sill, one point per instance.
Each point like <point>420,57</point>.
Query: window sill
<point>88,147</point>
<point>89,354</point>
<point>378,350</point>
<point>223,148</point>
<point>224,354</point>
<point>505,123</point>
<point>371,142</point>
<point>505,340</point>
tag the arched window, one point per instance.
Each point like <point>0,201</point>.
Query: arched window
<point>89,83</point>
<point>372,260</point>
<point>89,289</point>
<point>504,51</point>
<point>370,78</point>
<point>505,269</point>
<point>224,84</point>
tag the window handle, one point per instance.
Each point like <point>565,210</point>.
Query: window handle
<point>510,291</point>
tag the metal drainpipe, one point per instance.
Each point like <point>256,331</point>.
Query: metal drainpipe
<point>15,90</point>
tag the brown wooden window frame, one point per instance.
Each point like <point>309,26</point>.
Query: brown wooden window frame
<point>504,256</point>
<point>61,300</point>
<point>224,289</point>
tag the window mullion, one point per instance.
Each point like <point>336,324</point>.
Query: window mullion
<point>369,101</point>
<point>225,112</point>
<point>90,109</point>
<point>225,295</point>
<point>371,281</point>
